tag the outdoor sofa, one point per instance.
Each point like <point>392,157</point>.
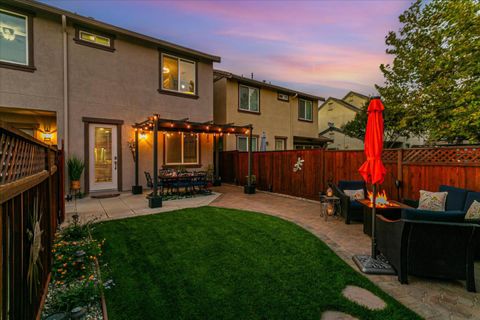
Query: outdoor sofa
<point>431,243</point>
<point>350,209</point>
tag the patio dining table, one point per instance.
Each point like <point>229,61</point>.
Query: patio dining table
<point>186,181</point>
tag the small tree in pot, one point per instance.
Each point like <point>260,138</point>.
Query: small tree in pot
<point>75,170</point>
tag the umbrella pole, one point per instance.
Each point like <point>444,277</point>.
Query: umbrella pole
<point>374,213</point>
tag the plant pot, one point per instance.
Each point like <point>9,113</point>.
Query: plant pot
<point>75,185</point>
<point>249,189</point>
<point>217,182</point>
<point>137,189</point>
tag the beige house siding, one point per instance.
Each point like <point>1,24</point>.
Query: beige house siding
<point>355,100</point>
<point>120,85</point>
<point>276,118</point>
<point>336,113</point>
<point>343,142</point>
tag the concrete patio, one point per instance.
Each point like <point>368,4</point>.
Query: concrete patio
<point>127,205</point>
<point>432,299</point>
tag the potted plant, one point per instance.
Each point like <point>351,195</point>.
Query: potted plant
<point>250,188</point>
<point>75,170</point>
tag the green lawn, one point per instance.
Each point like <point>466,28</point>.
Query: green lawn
<point>213,263</point>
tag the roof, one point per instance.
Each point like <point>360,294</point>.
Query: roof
<point>356,94</point>
<point>332,128</point>
<point>321,140</point>
<point>38,6</point>
<point>220,74</point>
<point>342,102</point>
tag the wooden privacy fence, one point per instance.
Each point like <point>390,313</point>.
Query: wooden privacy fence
<point>422,168</point>
<point>31,207</point>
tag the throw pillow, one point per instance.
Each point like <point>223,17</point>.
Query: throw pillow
<point>433,201</point>
<point>355,194</point>
<point>473,213</point>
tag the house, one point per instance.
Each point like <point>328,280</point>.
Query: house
<point>72,79</point>
<point>286,118</point>
<point>334,113</point>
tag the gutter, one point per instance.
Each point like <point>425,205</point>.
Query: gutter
<point>65,87</point>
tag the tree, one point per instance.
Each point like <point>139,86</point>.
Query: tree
<point>432,86</point>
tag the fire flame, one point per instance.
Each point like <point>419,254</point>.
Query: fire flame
<point>381,199</point>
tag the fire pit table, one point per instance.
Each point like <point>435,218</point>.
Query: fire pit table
<point>392,211</point>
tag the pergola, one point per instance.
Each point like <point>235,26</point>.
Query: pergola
<point>155,124</point>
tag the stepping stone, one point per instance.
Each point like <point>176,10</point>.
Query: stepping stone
<point>364,298</point>
<point>336,315</point>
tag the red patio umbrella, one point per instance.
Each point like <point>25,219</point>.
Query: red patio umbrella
<point>373,171</point>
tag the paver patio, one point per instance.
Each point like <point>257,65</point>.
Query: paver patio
<point>430,298</point>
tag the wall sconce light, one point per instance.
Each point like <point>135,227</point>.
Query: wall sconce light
<point>143,135</point>
<point>47,136</point>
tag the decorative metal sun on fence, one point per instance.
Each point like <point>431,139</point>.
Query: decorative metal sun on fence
<point>298,165</point>
<point>35,236</point>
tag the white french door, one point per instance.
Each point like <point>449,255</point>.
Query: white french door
<point>103,157</point>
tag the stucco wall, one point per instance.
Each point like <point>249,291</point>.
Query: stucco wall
<point>123,85</point>
<point>355,100</point>
<point>42,89</point>
<point>334,112</point>
<point>343,142</point>
<point>276,118</point>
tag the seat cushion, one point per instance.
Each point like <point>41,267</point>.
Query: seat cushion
<point>355,205</point>
<point>427,215</point>
<point>471,196</point>
<point>456,197</point>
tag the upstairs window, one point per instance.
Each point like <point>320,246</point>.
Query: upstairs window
<point>178,75</point>
<point>305,110</point>
<point>249,98</point>
<point>15,40</point>
<point>283,97</point>
<point>94,39</point>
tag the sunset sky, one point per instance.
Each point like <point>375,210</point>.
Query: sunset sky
<point>321,47</point>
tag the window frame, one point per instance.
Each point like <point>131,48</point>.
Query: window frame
<point>305,119</point>
<point>177,92</point>
<point>196,164</point>
<point>30,66</point>
<point>239,136</point>
<point>78,40</point>
<point>248,110</point>
<point>284,139</point>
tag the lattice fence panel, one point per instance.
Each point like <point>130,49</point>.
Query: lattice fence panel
<point>447,155</point>
<point>19,158</point>
<point>390,156</point>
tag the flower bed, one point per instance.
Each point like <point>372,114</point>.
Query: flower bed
<point>76,287</point>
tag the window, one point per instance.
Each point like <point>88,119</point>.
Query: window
<point>178,75</point>
<point>15,40</point>
<point>283,97</point>
<point>330,106</point>
<point>94,39</point>
<point>249,98</point>
<point>305,110</point>
<point>242,143</point>
<point>280,143</point>
<point>181,148</point>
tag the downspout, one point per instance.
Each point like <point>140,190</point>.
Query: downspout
<point>65,87</point>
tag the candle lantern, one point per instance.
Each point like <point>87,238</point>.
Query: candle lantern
<point>329,192</point>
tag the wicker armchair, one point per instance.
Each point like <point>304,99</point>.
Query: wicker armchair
<point>351,209</point>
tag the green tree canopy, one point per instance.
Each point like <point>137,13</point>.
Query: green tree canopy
<point>432,86</point>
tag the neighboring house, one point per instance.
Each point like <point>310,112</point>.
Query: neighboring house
<point>286,117</point>
<point>334,113</point>
<point>65,77</point>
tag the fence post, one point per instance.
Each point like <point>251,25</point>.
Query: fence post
<point>400,173</point>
